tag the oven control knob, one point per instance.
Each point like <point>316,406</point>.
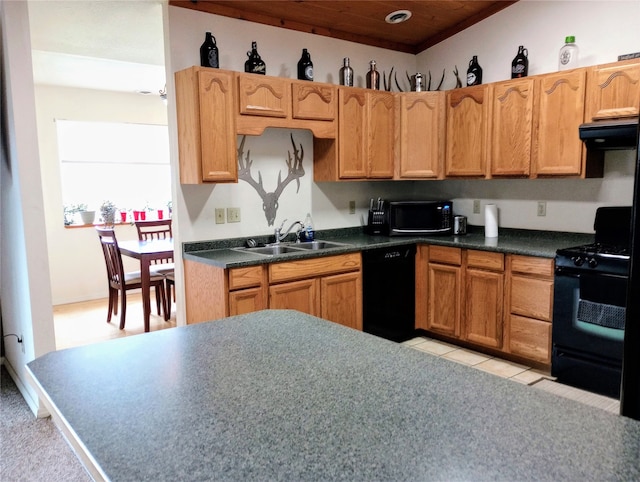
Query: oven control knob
<point>593,262</point>
<point>578,260</point>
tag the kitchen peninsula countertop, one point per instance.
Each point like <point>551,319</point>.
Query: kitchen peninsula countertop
<point>256,397</point>
<point>226,253</point>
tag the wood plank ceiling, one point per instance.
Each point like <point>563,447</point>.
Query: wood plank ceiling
<point>360,21</point>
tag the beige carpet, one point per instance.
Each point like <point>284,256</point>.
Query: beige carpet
<point>582,396</point>
<point>32,449</point>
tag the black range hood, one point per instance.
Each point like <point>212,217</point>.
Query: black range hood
<point>610,134</point>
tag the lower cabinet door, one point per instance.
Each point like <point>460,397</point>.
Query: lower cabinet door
<point>342,299</point>
<point>296,295</point>
<point>246,301</point>
<point>483,307</point>
<point>445,290</point>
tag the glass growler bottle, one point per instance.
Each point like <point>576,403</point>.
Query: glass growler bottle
<point>520,64</point>
<point>373,76</point>
<point>209,52</point>
<point>474,72</point>
<point>346,73</point>
<point>305,66</point>
<point>254,64</point>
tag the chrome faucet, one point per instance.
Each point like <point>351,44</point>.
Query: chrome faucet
<point>280,237</point>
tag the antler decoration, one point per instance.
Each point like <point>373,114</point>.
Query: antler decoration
<point>270,199</point>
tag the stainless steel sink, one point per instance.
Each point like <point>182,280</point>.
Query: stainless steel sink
<point>315,245</point>
<point>273,250</point>
<point>284,248</point>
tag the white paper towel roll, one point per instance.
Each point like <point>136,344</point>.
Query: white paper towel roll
<point>491,221</point>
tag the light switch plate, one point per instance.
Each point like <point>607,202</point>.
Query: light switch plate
<point>352,207</point>
<point>476,206</point>
<point>233,215</point>
<point>220,216</point>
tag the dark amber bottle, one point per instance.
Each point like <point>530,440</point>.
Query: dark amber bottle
<point>254,64</point>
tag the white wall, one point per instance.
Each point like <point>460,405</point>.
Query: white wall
<point>75,259</point>
<point>603,30</point>
<point>24,272</point>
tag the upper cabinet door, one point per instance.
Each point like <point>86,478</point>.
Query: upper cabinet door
<point>264,96</point>
<point>466,131</point>
<point>558,149</point>
<point>421,134</point>
<point>613,90</point>
<point>352,136</point>
<point>511,129</point>
<point>381,137</point>
<point>205,107</point>
<point>314,101</point>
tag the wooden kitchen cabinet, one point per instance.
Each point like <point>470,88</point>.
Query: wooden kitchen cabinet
<point>381,135</point>
<point>365,144</point>
<point>511,127</point>
<point>296,295</point>
<point>484,298</point>
<point>613,90</point>
<point>421,135</point>
<point>529,307</point>
<point>329,287</point>
<point>559,111</point>
<point>445,285</point>
<point>246,290</point>
<point>206,115</point>
<point>466,133</point>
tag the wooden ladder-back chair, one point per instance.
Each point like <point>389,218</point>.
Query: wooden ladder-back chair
<point>121,281</point>
<point>160,229</point>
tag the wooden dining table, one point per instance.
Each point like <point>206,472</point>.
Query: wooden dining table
<point>146,252</point>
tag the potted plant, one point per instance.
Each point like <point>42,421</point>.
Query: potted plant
<point>87,216</point>
<point>108,213</point>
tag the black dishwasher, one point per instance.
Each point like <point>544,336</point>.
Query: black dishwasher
<point>388,289</point>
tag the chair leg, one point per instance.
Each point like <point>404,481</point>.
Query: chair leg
<point>123,309</point>
<point>167,297</point>
<point>112,301</point>
<point>159,298</point>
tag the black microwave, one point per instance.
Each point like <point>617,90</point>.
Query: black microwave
<point>417,218</point>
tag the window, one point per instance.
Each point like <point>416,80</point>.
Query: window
<point>127,164</point>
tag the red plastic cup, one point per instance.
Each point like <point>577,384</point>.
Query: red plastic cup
<point>160,214</point>
<point>123,216</point>
<point>136,215</point>
<point>143,215</point>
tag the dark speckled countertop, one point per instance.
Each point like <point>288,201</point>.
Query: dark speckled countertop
<point>280,395</point>
<point>228,253</point>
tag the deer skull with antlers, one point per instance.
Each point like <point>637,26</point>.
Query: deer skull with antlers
<point>270,199</point>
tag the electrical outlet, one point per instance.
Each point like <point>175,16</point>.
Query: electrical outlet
<point>542,208</point>
<point>476,206</point>
<point>233,215</point>
<point>352,207</point>
<point>220,216</point>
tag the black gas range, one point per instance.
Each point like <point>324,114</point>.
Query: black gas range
<point>590,299</point>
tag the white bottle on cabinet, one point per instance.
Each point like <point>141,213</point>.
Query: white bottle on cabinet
<point>568,54</point>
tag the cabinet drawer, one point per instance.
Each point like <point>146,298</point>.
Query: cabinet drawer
<point>311,268</point>
<point>532,297</point>
<point>446,255</point>
<point>531,265</point>
<point>485,260</point>
<point>248,277</point>
<point>530,338</point>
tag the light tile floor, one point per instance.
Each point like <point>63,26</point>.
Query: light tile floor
<point>495,366</point>
<point>513,371</point>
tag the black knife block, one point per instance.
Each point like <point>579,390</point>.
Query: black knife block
<point>377,223</point>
